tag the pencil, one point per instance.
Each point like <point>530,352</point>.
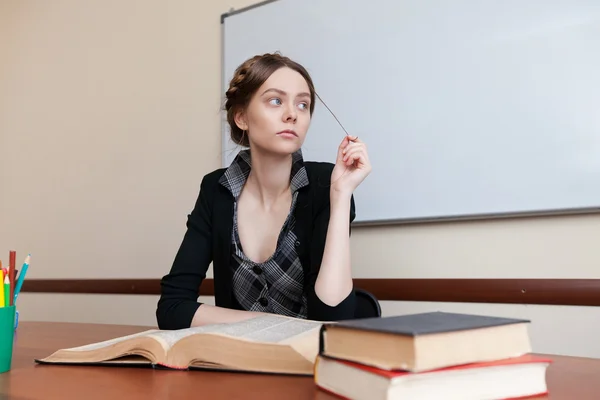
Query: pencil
<point>21,279</point>
<point>1,287</point>
<point>7,286</point>
<point>11,271</point>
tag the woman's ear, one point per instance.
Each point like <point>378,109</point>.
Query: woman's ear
<point>240,120</point>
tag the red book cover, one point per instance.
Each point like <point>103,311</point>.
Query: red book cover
<point>527,358</point>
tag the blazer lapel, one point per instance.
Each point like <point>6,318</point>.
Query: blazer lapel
<point>222,229</point>
<point>304,219</point>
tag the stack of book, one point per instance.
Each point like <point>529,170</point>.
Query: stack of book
<point>434,355</point>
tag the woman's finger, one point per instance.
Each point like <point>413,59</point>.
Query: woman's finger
<point>343,145</point>
<point>363,148</point>
<point>353,150</point>
<point>356,155</point>
<point>358,160</point>
<point>351,146</point>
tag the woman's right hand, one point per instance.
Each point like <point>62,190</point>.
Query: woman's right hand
<point>352,165</point>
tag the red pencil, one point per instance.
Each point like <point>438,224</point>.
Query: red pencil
<point>11,271</point>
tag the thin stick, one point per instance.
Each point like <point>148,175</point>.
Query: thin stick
<point>338,121</point>
<point>342,126</point>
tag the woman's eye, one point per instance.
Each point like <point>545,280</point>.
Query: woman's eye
<point>303,106</point>
<point>275,102</point>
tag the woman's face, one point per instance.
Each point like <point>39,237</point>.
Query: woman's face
<point>278,116</point>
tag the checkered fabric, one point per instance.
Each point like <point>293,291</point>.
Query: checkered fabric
<point>276,285</point>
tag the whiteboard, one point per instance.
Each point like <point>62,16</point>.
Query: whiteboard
<point>469,108</point>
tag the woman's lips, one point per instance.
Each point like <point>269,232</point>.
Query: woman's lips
<point>287,133</point>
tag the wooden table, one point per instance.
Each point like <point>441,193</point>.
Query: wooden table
<point>568,377</point>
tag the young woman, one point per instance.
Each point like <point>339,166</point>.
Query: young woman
<point>275,227</point>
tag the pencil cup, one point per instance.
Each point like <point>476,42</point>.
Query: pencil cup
<point>7,330</point>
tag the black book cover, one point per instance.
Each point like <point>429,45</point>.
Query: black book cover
<point>423,323</point>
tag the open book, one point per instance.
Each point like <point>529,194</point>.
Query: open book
<point>272,344</point>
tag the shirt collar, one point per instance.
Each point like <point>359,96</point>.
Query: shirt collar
<point>236,174</point>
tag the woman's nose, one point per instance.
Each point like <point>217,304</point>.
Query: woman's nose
<point>290,114</point>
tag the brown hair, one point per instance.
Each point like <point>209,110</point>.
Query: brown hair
<point>247,78</point>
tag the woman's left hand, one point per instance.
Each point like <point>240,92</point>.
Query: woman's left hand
<point>351,167</point>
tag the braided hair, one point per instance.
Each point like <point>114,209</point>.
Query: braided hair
<point>246,80</point>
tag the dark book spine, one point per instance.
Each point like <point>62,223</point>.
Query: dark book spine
<point>322,338</point>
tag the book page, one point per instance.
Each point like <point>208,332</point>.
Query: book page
<point>106,343</point>
<point>270,329</point>
<point>265,329</point>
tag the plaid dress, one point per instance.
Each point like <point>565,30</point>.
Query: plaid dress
<point>277,284</point>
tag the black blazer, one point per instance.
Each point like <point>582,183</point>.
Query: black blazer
<point>208,239</point>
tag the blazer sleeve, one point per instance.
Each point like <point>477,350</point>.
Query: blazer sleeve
<point>317,309</point>
<point>181,286</point>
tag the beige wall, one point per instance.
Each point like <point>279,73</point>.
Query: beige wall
<point>109,117</point>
